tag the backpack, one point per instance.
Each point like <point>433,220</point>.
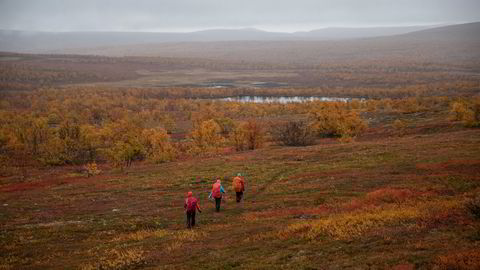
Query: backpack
<point>216,191</point>
<point>191,204</point>
<point>238,184</point>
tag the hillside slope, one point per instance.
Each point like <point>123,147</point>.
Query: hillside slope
<point>458,44</point>
<point>41,42</point>
<point>376,203</point>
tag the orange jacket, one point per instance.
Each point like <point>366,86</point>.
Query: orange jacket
<point>238,184</point>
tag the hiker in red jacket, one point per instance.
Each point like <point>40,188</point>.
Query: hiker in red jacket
<point>217,190</point>
<point>191,206</point>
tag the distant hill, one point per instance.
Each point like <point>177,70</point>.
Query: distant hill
<point>337,33</point>
<point>461,32</point>
<point>457,44</point>
<point>454,44</point>
<point>39,42</point>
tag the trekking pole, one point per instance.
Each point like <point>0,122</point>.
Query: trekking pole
<point>210,198</point>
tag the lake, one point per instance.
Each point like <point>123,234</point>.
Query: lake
<point>282,100</point>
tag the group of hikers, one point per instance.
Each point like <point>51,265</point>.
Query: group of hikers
<point>191,204</point>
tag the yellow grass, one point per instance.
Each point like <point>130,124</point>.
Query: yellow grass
<point>352,225</point>
<point>118,259</point>
<point>141,235</point>
<point>174,246</point>
<point>189,235</point>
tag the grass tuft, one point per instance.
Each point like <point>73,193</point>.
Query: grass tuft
<point>119,259</point>
<point>141,235</point>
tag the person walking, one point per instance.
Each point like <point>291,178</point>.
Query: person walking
<point>239,186</point>
<point>191,206</point>
<point>217,190</point>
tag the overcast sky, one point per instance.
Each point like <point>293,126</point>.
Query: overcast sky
<point>190,15</point>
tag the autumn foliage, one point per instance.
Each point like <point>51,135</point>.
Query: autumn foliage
<point>295,133</point>
<point>332,121</point>
<point>51,127</point>
<point>206,137</point>
<point>468,112</point>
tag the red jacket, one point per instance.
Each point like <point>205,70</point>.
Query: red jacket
<point>191,204</point>
<point>216,190</point>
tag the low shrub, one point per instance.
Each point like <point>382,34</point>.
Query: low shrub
<point>473,207</point>
<point>468,112</point>
<point>294,133</point>
<point>336,122</point>
<point>399,125</point>
<point>388,195</point>
<point>462,260</point>
<point>91,169</point>
<point>248,135</point>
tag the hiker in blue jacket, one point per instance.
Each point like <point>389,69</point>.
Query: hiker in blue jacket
<point>217,190</point>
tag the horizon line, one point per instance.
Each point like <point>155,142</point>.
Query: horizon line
<point>254,28</point>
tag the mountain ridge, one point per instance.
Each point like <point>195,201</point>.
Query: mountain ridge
<point>39,42</point>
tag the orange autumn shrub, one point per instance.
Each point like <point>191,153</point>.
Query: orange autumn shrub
<point>461,260</point>
<point>388,195</point>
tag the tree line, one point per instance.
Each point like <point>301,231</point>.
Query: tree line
<point>53,127</point>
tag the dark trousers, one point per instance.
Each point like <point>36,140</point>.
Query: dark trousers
<point>217,204</point>
<point>239,196</point>
<point>190,219</point>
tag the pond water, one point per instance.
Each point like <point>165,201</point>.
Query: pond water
<point>282,100</point>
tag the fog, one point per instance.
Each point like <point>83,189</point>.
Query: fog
<point>192,15</point>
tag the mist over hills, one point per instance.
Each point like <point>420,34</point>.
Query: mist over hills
<point>41,42</point>
<point>459,32</point>
<point>454,44</point>
<point>457,43</point>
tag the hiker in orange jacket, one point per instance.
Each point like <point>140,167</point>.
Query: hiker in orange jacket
<point>239,186</point>
<point>191,206</point>
<point>217,190</point>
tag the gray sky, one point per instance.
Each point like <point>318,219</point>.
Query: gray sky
<point>190,15</point>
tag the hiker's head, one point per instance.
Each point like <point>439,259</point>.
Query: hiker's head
<point>218,180</point>
<point>189,194</point>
